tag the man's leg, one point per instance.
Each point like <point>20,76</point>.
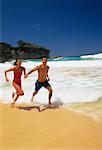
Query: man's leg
<point>50,93</point>
<point>38,85</point>
<point>34,93</point>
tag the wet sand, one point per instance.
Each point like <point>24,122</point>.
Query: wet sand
<point>26,128</point>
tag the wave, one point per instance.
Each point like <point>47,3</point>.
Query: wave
<point>92,56</point>
<point>58,58</point>
<point>58,64</point>
<point>78,81</point>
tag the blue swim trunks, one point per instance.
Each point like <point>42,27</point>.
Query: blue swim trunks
<point>39,85</point>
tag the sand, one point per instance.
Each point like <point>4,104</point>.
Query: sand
<point>25,128</point>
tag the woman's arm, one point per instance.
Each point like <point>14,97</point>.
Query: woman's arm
<point>6,73</point>
<point>24,70</point>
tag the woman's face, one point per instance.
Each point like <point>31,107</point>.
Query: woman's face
<point>18,62</point>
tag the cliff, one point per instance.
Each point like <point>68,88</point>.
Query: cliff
<point>24,50</point>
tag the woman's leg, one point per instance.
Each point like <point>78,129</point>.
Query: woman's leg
<point>19,92</point>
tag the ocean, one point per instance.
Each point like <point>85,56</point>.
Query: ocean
<point>76,83</point>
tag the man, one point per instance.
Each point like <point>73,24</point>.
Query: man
<point>43,78</point>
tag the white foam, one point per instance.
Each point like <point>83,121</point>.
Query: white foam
<point>93,56</point>
<point>72,81</point>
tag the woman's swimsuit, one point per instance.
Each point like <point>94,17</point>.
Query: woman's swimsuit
<point>17,76</point>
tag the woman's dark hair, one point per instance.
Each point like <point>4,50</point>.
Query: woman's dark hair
<point>16,62</point>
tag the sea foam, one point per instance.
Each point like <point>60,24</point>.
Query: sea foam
<point>72,81</point>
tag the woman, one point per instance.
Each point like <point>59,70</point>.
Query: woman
<point>17,70</point>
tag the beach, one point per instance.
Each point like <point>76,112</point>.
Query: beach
<point>72,122</point>
<point>51,75</point>
<point>26,128</point>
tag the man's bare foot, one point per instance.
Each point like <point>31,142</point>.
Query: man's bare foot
<point>41,108</point>
<point>49,105</point>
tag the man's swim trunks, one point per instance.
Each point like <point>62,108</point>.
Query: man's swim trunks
<point>39,85</point>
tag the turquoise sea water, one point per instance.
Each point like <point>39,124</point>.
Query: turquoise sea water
<point>71,58</point>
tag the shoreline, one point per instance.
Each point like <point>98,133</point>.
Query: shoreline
<point>25,128</point>
<point>78,107</point>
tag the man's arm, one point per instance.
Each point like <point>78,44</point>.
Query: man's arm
<point>47,74</point>
<point>34,69</point>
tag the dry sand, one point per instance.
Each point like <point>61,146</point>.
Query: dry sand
<point>25,128</point>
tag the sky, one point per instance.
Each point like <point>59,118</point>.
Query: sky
<point>66,27</point>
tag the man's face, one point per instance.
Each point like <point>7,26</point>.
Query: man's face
<point>44,60</point>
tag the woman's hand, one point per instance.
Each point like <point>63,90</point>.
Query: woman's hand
<point>7,80</point>
<point>25,76</point>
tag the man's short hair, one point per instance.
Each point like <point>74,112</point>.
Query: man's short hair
<point>44,57</point>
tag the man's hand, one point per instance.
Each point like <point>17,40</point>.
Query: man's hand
<point>48,79</point>
<point>25,76</point>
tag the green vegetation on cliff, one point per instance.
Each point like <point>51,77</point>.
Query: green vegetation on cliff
<point>24,50</point>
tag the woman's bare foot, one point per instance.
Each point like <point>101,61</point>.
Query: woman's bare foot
<point>32,100</point>
<point>12,104</point>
